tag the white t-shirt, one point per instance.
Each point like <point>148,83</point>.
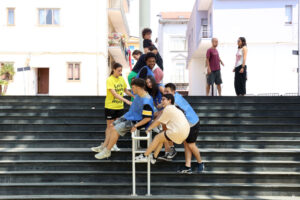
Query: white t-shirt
<point>239,57</point>
<point>178,127</point>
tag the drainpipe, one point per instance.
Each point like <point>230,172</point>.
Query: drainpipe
<point>144,18</point>
<point>298,49</point>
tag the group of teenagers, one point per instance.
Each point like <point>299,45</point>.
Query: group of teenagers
<point>153,107</point>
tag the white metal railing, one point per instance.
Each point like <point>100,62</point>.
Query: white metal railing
<point>136,148</point>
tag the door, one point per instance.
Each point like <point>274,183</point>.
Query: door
<point>43,80</point>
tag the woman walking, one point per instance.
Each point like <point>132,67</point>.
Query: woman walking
<point>241,68</point>
<point>114,102</point>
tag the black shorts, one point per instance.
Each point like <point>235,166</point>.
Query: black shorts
<point>214,77</point>
<point>111,114</point>
<point>193,133</point>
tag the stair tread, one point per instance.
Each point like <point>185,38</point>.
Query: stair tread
<point>144,172</point>
<point>126,161</point>
<point>162,197</point>
<point>243,150</point>
<point>165,184</point>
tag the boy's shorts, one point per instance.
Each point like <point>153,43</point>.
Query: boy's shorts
<point>123,125</point>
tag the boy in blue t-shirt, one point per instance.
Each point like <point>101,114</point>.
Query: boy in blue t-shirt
<point>140,115</point>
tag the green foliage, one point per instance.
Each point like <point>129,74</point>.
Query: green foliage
<point>7,69</point>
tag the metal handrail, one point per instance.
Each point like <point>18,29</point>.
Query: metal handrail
<point>136,138</point>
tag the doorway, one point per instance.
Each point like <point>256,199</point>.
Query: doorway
<point>43,80</point>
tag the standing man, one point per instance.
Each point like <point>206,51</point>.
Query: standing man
<point>213,67</point>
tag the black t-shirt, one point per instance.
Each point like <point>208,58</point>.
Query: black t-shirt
<point>147,43</point>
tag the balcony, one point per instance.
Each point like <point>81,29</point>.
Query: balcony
<point>116,14</point>
<point>117,49</point>
<point>204,4</point>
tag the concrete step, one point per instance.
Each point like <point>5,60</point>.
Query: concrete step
<point>126,165</point>
<point>127,143</point>
<point>61,113</point>
<point>151,197</point>
<point>178,188</point>
<point>171,177</point>
<point>125,154</point>
<point>203,135</point>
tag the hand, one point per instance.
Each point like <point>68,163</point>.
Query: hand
<point>222,64</point>
<point>133,129</point>
<point>129,102</point>
<point>242,70</point>
<point>147,131</point>
<point>208,71</point>
<point>233,69</point>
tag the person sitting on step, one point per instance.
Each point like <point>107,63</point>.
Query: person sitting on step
<point>177,129</point>
<point>139,115</point>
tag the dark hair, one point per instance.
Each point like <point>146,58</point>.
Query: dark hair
<point>150,55</point>
<point>170,97</point>
<point>146,31</point>
<point>151,48</point>
<point>114,67</point>
<point>243,40</point>
<point>138,82</point>
<point>137,52</point>
<point>154,90</point>
<point>172,86</point>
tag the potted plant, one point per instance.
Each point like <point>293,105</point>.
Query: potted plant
<point>7,72</point>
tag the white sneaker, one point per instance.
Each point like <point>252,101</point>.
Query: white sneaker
<point>143,159</point>
<point>105,153</point>
<point>98,148</point>
<point>115,148</point>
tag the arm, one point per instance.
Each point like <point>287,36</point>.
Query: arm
<point>153,125</point>
<point>116,95</point>
<point>141,123</point>
<point>245,51</point>
<point>129,93</point>
<point>161,89</point>
<point>221,62</point>
<point>208,67</point>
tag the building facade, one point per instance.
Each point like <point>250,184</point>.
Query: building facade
<point>271,30</point>
<point>65,45</point>
<point>172,46</point>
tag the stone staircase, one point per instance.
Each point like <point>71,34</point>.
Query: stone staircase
<point>250,145</point>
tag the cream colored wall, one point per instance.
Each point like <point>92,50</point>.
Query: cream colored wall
<point>80,37</point>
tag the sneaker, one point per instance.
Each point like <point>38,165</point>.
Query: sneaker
<point>98,148</point>
<point>200,167</point>
<point>185,170</point>
<point>105,153</point>
<point>115,148</point>
<point>172,153</point>
<point>165,157</point>
<point>143,159</point>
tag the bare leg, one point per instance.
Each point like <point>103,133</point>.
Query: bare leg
<point>167,146</point>
<point>188,155</point>
<point>114,136</point>
<point>219,90</point>
<point>207,89</point>
<point>158,140</point>
<point>194,149</point>
<point>109,126</point>
<point>158,148</point>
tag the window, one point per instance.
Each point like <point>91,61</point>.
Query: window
<point>204,27</point>
<point>178,44</point>
<point>288,14</point>
<point>179,72</point>
<point>10,16</point>
<point>73,71</point>
<point>48,16</point>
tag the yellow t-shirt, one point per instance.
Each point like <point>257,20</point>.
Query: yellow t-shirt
<point>119,85</point>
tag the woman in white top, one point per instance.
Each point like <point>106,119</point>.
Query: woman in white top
<point>177,128</point>
<point>240,68</point>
